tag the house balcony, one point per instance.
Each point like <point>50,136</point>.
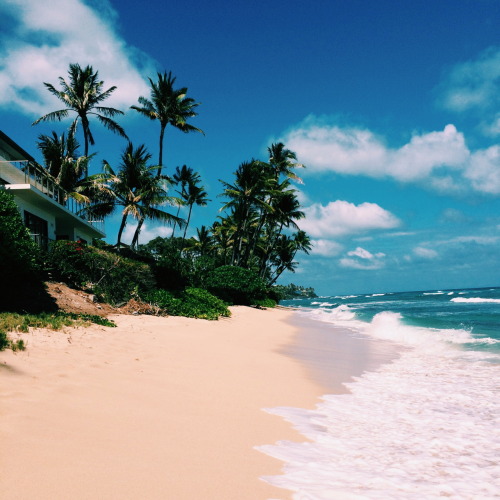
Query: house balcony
<point>28,180</point>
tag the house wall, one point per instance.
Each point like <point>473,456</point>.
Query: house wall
<point>51,220</point>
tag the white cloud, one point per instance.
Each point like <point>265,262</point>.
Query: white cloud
<point>356,151</point>
<point>398,234</point>
<point>302,197</point>
<point>340,218</point>
<point>425,253</point>
<point>439,160</point>
<point>475,83</point>
<point>147,233</point>
<point>480,240</point>
<point>325,248</point>
<point>363,259</point>
<point>46,38</point>
<point>484,170</point>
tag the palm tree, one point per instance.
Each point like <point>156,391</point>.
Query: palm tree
<point>83,94</point>
<point>205,242</point>
<point>182,177</point>
<point>283,161</point>
<point>285,211</point>
<point>61,158</point>
<point>246,196</point>
<point>134,187</point>
<point>195,195</point>
<point>284,252</point>
<point>169,106</point>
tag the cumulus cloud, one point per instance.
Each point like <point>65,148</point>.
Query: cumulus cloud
<point>484,170</point>
<point>340,218</point>
<point>356,151</point>
<point>361,258</point>
<point>325,248</point>
<point>440,160</point>
<point>148,233</point>
<point>43,39</point>
<point>473,84</point>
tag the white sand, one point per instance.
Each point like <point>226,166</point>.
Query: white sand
<point>158,408</point>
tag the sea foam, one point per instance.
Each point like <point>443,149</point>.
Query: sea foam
<point>424,426</point>
<point>477,300</point>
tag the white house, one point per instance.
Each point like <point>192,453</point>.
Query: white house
<point>47,212</point>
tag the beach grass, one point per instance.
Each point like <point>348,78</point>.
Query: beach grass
<point>21,323</point>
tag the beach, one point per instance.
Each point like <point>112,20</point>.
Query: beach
<point>155,408</point>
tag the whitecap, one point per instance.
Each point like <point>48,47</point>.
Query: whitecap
<point>476,300</point>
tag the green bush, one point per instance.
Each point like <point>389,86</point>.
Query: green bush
<point>236,285</point>
<point>14,322</point>
<point>110,276</point>
<point>20,263</point>
<point>268,302</point>
<point>6,343</point>
<point>192,303</point>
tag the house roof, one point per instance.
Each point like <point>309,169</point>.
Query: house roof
<point>16,151</point>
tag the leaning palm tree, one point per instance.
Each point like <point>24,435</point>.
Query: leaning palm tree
<point>169,106</point>
<point>83,94</point>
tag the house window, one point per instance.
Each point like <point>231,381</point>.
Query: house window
<point>38,229</point>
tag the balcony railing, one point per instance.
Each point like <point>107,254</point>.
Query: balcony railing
<point>28,172</point>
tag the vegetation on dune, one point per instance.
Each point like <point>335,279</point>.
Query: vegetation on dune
<point>14,322</point>
<point>21,263</point>
<point>236,260</point>
<point>110,276</point>
<point>191,302</point>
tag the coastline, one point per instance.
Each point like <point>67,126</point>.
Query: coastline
<point>158,407</point>
<point>333,355</point>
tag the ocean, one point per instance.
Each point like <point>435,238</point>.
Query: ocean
<point>424,426</point>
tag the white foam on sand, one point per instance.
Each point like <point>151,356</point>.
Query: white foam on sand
<point>425,425</point>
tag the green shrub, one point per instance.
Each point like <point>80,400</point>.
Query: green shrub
<point>192,303</point>
<point>19,254</point>
<point>268,302</point>
<point>20,262</point>
<point>4,340</point>
<point>6,343</point>
<point>236,285</point>
<point>112,277</point>
<point>70,262</point>
<point>14,322</point>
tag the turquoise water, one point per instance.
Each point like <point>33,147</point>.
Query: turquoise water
<point>426,425</point>
<point>475,310</point>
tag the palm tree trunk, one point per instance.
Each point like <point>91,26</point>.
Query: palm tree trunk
<point>160,157</point>
<point>177,215</point>
<point>135,239</point>
<point>187,222</point>
<point>122,227</point>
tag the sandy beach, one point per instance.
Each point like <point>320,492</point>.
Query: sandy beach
<point>157,408</point>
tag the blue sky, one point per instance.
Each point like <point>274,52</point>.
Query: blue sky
<point>393,106</point>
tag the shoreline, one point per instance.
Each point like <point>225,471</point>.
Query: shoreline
<point>333,355</point>
<point>156,408</point>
